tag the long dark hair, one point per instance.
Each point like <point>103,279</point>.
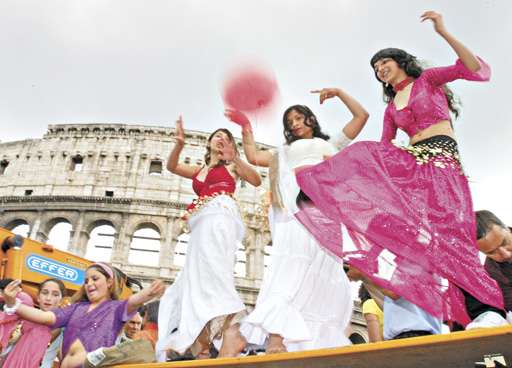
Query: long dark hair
<point>363,293</point>
<point>310,120</point>
<point>410,65</point>
<point>208,154</point>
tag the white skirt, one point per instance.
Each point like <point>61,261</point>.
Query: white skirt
<point>305,295</point>
<point>205,287</point>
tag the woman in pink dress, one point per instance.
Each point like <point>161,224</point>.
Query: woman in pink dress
<point>408,209</point>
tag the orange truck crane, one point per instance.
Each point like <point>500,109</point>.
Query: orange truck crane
<point>32,262</point>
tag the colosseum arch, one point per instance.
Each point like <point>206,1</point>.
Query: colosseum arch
<point>18,226</point>
<point>58,231</point>
<point>13,220</point>
<point>357,338</point>
<point>241,260</point>
<point>145,245</point>
<point>102,237</point>
<point>180,249</point>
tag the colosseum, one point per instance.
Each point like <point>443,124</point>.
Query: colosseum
<point>101,191</point>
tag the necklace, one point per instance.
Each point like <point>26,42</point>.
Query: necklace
<point>400,86</point>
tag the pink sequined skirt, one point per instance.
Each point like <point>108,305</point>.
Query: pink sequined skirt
<point>409,213</point>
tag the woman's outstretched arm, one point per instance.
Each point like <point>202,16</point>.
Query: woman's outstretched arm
<point>254,155</point>
<point>155,290</point>
<point>184,170</point>
<point>465,55</point>
<point>24,311</point>
<point>359,113</point>
<point>246,172</point>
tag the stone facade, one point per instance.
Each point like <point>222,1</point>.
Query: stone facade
<point>88,175</point>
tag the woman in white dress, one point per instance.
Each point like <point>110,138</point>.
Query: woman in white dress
<point>305,299</point>
<point>203,305</point>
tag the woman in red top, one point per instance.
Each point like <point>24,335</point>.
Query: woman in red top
<point>410,206</point>
<point>203,305</point>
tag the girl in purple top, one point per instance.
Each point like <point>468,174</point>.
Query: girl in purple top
<point>409,207</point>
<point>96,318</point>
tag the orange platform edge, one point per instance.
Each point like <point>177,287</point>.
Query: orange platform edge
<point>458,349</point>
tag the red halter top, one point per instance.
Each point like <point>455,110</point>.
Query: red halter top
<point>218,181</point>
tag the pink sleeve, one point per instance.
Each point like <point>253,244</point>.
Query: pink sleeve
<point>389,129</point>
<point>442,75</point>
<point>25,299</point>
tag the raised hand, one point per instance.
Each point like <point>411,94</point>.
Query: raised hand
<point>11,291</point>
<point>239,118</point>
<point>179,133</point>
<point>437,20</point>
<point>156,289</point>
<point>326,93</point>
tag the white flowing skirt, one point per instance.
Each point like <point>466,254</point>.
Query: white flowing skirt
<point>305,295</point>
<point>205,287</point>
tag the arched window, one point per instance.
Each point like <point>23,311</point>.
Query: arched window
<point>155,167</point>
<point>100,244</point>
<point>145,246</point>
<point>3,166</point>
<point>21,228</point>
<point>355,338</point>
<point>180,251</point>
<point>266,256</point>
<point>59,234</point>
<point>77,163</point>
<point>241,261</point>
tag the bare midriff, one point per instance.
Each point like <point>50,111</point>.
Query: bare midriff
<point>441,128</point>
<point>75,356</point>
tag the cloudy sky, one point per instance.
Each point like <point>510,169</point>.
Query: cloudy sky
<point>145,62</point>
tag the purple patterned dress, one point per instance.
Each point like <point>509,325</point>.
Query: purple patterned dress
<point>96,328</point>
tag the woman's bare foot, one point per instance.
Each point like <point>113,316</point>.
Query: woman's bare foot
<point>200,349</point>
<point>233,342</point>
<point>204,354</point>
<point>275,344</point>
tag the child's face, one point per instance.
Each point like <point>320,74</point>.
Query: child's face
<point>97,287</point>
<point>50,296</point>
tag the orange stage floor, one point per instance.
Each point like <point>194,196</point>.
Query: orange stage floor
<point>459,349</point>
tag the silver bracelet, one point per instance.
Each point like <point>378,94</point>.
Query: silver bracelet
<point>12,310</point>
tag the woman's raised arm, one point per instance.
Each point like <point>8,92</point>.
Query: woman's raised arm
<point>184,170</point>
<point>254,155</point>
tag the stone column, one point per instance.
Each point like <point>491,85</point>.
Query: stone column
<point>35,227</point>
<point>122,241</point>
<point>83,240</point>
<point>41,236</point>
<point>74,245</point>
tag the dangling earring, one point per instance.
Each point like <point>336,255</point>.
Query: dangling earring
<point>387,84</point>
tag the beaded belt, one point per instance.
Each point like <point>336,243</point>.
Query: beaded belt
<point>200,202</point>
<point>441,150</point>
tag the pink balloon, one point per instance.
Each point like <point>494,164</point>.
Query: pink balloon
<point>249,89</point>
